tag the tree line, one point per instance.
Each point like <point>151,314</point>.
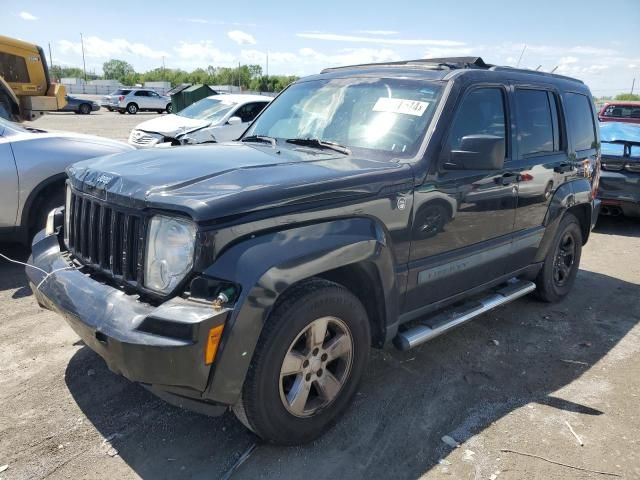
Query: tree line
<point>249,77</point>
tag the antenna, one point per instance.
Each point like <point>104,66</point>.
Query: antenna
<point>554,69</point>
<point>521,54</point>
<point>538,67</point>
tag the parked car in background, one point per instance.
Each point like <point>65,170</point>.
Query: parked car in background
<point>625,112</point>
<point>218,118</point>
<point>79,105</point>
<point>32,163</point>
<point>134,100</point>
<point>258,274</point>
<point>620,178</point>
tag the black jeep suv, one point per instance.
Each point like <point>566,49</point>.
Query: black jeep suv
<point>366,204</point>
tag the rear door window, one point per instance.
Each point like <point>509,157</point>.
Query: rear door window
<point>580,121</point>
<point>537,126</point>
<point>142,93</point>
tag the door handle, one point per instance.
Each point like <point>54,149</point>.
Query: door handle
<point>564,167</point>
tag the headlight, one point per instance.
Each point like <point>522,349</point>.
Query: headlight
<point>67,214</point>
<point>170,248</point>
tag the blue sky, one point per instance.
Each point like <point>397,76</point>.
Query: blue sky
<point>595,41</point>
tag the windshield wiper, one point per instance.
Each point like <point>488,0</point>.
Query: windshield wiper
<point>317,143</point>
<point>260,139</point>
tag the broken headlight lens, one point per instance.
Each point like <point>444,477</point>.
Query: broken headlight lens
<point>170,248</point>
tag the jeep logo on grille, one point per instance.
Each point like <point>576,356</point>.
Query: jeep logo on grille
<point>104,179</point>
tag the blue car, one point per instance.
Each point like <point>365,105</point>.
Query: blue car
<point>620,174</point>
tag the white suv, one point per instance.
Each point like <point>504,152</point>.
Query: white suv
<point>133,100</point>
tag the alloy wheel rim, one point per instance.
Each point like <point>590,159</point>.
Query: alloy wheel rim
<point>316,366</point>
<point>564,259</point>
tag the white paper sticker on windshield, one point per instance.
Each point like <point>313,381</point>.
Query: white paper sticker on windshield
<point>399,105</point>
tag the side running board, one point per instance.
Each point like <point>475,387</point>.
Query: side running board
<point>452,317</point>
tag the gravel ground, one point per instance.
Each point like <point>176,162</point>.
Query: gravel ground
<point>514,379</point>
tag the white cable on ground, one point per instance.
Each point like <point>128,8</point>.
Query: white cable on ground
<point>46,274</point>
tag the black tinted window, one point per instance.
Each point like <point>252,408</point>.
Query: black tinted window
<point>535,122</point>
<point>580,121</point>
<point>142,93</point>
<point>121,92</point>
<point>250,111</point>
<point>618,111</point>
<point>481,113</point>
<point>13,68</point>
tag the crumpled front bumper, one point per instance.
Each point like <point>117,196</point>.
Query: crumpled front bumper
<point>161,347</point>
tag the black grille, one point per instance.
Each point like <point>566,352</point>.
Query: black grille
<point>107,238</point>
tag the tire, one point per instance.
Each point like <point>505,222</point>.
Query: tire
<point>560,268</point>
<point>169,108</point>
<point>294,329</point>
<point>54,199</point>
<point>121,112</point>
<point>84,109</point>
<point>110,109</point>
<point>132,108</point>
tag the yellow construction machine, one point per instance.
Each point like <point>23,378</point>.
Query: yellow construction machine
<point>26,91</point>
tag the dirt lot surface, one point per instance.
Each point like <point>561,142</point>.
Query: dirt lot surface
<point>103,123</point>
<point>517,379</point>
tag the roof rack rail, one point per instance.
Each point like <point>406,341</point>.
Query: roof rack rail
<point>452,63</point>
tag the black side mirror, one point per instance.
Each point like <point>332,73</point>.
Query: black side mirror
<point>478,152</point>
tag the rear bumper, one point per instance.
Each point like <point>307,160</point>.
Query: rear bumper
<point>620,192</point>
<point>161,347</point>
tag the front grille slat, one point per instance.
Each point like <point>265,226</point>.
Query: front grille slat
<point>107,237</point>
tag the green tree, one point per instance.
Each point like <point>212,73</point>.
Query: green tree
<point>626,97</point>
<point>118,70</point>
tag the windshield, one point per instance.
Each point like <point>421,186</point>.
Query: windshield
<point>388,116</point>
<point>615,132</point>
<point>211,109</point>
<point>8,128</point>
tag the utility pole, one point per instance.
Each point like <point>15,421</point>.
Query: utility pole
<point>521,54</point>
<point>239,87</point>
<point>84,65</point>
<point>633,84</point>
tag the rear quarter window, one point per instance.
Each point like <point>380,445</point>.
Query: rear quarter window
<point>579,118</point>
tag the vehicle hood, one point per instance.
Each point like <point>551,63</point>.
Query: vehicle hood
<point>172,125</point>
<point>114,145</point>
<point>213,181</point>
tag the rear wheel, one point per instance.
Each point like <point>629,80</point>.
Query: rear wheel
<point>307,365</point>
<point>563,261</point>
<point>132,108</point>
<point>169,108</point>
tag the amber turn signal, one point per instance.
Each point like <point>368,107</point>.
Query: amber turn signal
<point>213,339</point>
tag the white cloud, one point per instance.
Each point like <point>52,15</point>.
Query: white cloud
<point>241,38</point>
<point>389,41</point>
<point>440,52</point>
<point>27,16</point>
<point>347,56</point>
<point>99,48</point>
<point>202,54</point>
<point>378,32</point>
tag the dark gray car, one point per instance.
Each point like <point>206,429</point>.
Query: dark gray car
<point>79,105</point>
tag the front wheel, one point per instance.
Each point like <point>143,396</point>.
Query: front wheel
<point>169,108</point>
<point>307,365</point>
<point>132,108</point>
<point>563,261</point>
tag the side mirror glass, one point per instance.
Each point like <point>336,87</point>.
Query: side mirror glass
<point>234,121</point>
<point>478,152</point>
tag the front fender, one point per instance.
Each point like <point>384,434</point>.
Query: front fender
<point>266,265</point>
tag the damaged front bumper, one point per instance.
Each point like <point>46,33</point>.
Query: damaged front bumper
<point>161,347</point>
